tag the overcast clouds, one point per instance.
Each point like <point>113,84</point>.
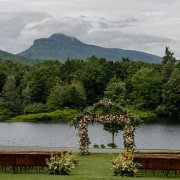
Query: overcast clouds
<point>146,25</point>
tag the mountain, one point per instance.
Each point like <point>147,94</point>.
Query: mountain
<point>6,56</point>
<point>61,47</point>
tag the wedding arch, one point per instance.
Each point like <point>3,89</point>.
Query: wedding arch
<point>104,112</point>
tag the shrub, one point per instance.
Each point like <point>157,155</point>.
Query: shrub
<point>96,146</point>
<point>124,165</point>
<point>102,146</point>
<point>64,115</point>
<point>112,145</point>
<point>142,115</point>
<point>34,108</point>
<point>62,163</point>
<point>4,111</point>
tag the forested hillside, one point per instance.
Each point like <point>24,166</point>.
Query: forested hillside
<point>6,56</point>
<point>139,87</point>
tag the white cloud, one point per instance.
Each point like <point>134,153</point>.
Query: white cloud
<point>132,24</point>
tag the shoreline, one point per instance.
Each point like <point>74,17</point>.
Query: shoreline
<point>76,149</point>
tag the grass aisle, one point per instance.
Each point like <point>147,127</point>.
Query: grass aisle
<point>94,166</point>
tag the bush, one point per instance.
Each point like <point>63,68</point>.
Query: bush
<point>62,163</point>
<point>102,146</point>
<point>112,145</point>
<point>143,115</point>
<point>4,111</point>
<point>64,115</point>
<point>96,146</point>
<point>124,165</point>
<point>34,108</point>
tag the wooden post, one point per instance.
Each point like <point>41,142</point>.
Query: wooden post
<point>168,167</point>
<point>14,164</point>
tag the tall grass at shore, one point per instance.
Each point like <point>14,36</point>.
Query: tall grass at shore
<point>61,115</point>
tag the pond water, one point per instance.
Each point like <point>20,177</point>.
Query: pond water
<point>147,136</point>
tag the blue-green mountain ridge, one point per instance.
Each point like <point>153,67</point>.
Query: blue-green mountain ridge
<point>62,47</point>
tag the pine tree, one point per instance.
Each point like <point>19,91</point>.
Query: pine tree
<point>10,97</point>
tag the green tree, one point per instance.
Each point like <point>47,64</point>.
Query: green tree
<point>108,107</point>
<point>75,96</point>
<point>70,70</point>
<point>55,99</point>
<point>125,69</point>
<point>116,91</point>
<point>42,80</point>
<point>95,77</point>
<point>112,128</point>
<point>10,98</point>
<point>171,96</point>
<point>169,56</point>
<point>2,80</point>
<point>168,65</point>
<point>26,96</point>
<point>146,88</point>
<point>68,95</point>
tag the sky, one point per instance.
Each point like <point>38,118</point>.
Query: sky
<point>143,25</point>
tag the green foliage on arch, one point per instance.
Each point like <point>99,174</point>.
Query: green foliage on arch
<point>110,115</point>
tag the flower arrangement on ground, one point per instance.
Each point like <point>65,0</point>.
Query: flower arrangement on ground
<point>124,165</point>
<point>61,163</point>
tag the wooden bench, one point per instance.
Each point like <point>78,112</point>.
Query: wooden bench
<point>149,161</point>
<point>25,160</point>
<point>159,161</point>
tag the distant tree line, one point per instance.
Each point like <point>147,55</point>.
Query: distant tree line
<point>76,84</point>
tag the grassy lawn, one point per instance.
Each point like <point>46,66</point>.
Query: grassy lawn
<point>94,166</point>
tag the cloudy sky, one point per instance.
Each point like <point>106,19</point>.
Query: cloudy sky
<point>145,25</point>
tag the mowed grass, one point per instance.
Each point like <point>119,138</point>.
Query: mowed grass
<point>93,166</point>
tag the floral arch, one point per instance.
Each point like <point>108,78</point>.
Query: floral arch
<point>104,112</point>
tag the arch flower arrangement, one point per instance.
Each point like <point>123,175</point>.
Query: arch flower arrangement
<point>105,112</point>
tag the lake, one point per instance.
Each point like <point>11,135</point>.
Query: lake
<point>147,136</point>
